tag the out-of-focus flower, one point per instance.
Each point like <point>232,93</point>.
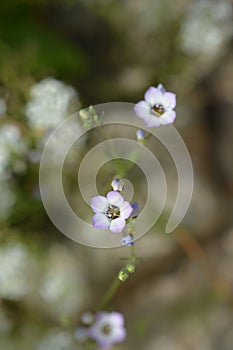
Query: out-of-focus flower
<point>111,211</point>
<point>3,107</point>
<point>117,185</point>
<point>12,148</point>
<point>81,334</point>
<point>63,286</point>
<point>11,144</point>
<point>15,272</point>
<point>207,27</point>
<point>49,104</point>
<point>60,141</point>
<point>56,340</point>
<point>157,108</point>
<point>108,329</point>
<point>127,240</point>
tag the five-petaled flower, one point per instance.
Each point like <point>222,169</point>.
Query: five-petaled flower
<point>108,329</point>
<point>110,212</point>
<point>157,108</point>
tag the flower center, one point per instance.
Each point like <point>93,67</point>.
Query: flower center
<point>158,109</point>
<point>113,212</point>
<point>106,329</point>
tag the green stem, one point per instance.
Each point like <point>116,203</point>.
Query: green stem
<point>110,293</point>
<point>132,254</point>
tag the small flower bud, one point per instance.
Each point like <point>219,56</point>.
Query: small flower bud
<point>83,114</point>
<point>135,211</point>
<point>140,135</point>
<point>130,268</point>
<point>117,185</point>
<point>123,275</point>
<point>161,88</point>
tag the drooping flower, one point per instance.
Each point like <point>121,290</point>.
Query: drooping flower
<point>127,240</point>
<point>135,211</point>
<point>108,329</point>
<point>157,108</point>
<point>110,212</point>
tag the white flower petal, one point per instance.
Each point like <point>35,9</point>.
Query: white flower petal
<point>153,96</point>
<point>144,112</point>
<point>117,225</point>
<point>142,109</point>
<point>99,204</point>
<point>168,118</point>
<point>115,198</point>
<point>153,122</point>
<point>125,210</point>
<point>169,100</point>
<point>100,221</point>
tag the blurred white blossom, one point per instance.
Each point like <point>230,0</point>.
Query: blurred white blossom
<point>56,340</point>
<point>3,107</point>
<point>60,141</point>
<point>63,286</point>
<point>11,145</point>
<point>207,27</point>
<point>15,272</point>
<point>49,104</point>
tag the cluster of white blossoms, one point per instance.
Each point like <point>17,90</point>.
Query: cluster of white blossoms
<point>56,339</point>
<point>207,27</point>
<point>15,272</point>
<point>11,145</point>
<point>12,148</point>
<point>49,104</point>
<point>63,286</point>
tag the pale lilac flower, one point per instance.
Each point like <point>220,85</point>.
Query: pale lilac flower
<point>117,185</point>
<point>108,329</point>
<point>111,212</point>
<point>157,108</point>
<point>127,240</point>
